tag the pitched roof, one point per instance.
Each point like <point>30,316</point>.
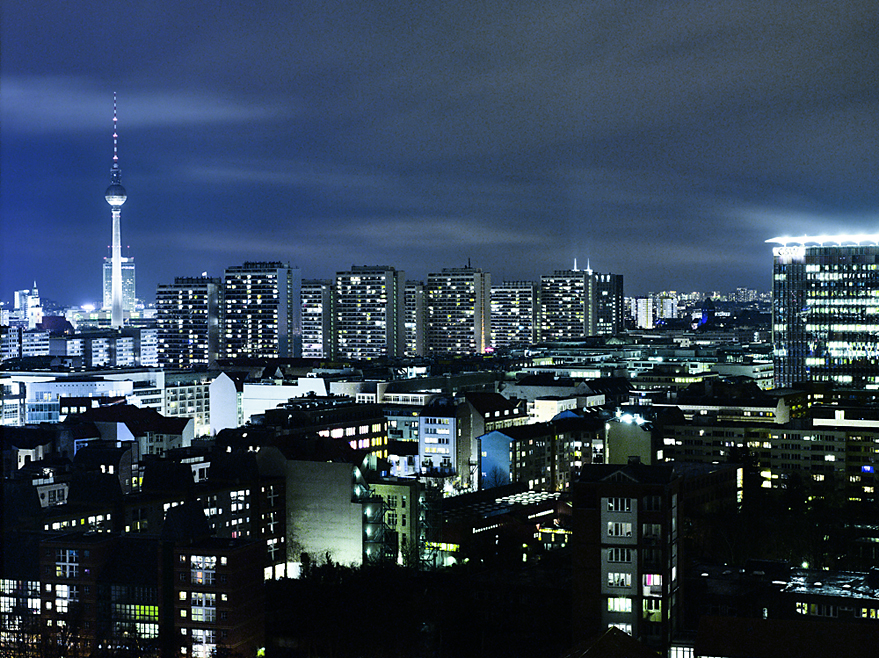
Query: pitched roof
<point>636,471</point>
<point>139,420</point>
<point>488,402</point>
<point>612,643</point>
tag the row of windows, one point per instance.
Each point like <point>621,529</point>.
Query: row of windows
<point>130,612</point>
<point>648,504</point>
<point>817,609</point>
<point>651,608</point>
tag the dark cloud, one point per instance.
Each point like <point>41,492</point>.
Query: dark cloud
<point>662,140</point>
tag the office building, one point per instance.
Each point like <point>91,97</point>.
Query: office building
<point>317,318</point>
<point>27,309</point>
<point>188,321</point>
<point>825,310</point>
<point>129,296</point>
<point>567,305</point>
<point>415,322</point>
<point>261,311</point>
<point>369,312</point>
<point>459,311</point>
<point>513,314</point>
<point>609,317</point>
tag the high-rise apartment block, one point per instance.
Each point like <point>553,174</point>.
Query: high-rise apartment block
<point>317,318</point>
<point>513,313</point>
<point>459,311</point>
<point>825,310</point>
<point>129,295</point>
<point>369,312</point>
<point>644,311</point>
<point>188,320</point>
<point>567,305</point>
<point>261,311</point>
<point>416,319</point>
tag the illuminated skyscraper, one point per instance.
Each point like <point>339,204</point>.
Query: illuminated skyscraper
<point>513,313</point>
<point>261,311</point>
<point>116,196</point>
<point>825,310</point>
<point>369,312</point>
<point>317,318</point>
<point>458,311</point>
<point>567,305</point>
<point>188,320</point>
<point>609,317</point>
<point>129,297</point>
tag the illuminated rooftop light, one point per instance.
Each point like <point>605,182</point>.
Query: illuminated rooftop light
<point>823,240</point>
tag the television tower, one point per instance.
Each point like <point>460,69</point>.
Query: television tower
<point>116,196</point>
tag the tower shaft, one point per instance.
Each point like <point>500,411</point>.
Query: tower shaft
<point>116,271</point>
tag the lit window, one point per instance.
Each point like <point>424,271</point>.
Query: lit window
<point>619,529</point>
<point>619,604</point>
<point>619,579</point>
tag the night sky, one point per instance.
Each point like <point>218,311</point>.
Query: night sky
<point>665,141</point>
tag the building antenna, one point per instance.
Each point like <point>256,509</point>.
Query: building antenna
<point>115,136</point>
<point>575,264</point>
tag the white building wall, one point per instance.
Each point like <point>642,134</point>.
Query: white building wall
<point>225,404</point>
<point>44,395</point>
<point>259,397</point>
<point>321,517</point>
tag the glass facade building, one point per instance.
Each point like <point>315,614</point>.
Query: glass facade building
<point>825,310</point>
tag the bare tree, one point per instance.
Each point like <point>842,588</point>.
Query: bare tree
<point>496,477</point>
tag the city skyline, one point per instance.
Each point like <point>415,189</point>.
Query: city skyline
<point>660,143</point>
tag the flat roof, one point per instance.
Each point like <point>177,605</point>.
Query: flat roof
<point>819,240</point>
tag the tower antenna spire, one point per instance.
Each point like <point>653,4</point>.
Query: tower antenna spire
<point>115,136</point>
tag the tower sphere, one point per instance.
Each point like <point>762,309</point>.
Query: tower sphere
<point>115,195</point>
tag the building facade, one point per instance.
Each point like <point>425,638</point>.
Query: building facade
<point>825,304</point>
<point>261,311</point>
<point>458,311</point>
<point>609,316</point>
<point>626,551</point>
<point>567,305</point>
<point>317,318</point>
<point>416,319</point>
<point>129,294</point>
<point>369,312</point>
<point>188,321</point>
<point>513,314</point>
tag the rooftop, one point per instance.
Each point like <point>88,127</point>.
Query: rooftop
<point>829,240</point>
